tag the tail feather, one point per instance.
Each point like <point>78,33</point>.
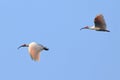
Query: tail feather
<point>107,31</point>
<point>45,48</point>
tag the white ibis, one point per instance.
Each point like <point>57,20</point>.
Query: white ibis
<point>34,50</point>
<point>99,24</point>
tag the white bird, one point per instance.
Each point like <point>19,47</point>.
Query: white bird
<point>100,24</point>
<point>34,50</point>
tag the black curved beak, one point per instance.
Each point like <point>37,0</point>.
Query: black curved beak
<point>24,45</point>
<point>20,47</point>
<point>82,28</point>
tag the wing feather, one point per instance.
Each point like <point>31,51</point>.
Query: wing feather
<point>100,22</point>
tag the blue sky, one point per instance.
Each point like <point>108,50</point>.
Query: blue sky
<point>73,54</point>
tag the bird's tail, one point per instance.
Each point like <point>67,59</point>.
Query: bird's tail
<point>45,48</point>
<point>107,30</point>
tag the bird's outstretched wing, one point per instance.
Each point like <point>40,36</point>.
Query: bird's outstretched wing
<point>100,22</point>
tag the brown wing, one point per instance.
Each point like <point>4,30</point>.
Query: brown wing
<point>35,54</point>
<point>100,22</point>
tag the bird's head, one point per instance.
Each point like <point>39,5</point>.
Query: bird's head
<point>24,45</point>
<point>86,27</point>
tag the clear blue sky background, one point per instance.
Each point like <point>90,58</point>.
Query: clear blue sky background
<point>73,54</point>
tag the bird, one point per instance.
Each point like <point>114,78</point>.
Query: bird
<point>99,24</point>
<point>34,50</point>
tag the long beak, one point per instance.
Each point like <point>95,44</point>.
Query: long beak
<point>20,47</point>
<point>82,28</point>
<point>24,45</point>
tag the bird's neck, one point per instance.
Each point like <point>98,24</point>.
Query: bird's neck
<point>27,45</point>
<point>92,28</point>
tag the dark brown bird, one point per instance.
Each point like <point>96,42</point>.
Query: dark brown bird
<point>99,24</point>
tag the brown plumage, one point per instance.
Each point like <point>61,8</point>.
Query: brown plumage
<point>100,22</point>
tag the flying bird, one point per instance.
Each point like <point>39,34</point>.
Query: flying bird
<point>34,50</point>
<point>99,24</point>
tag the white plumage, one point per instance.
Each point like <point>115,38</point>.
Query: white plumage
<point>34,50</point>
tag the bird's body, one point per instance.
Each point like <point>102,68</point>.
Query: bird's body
<point>94,28</point>
<point>100,24</point>
<point>34,50</point>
